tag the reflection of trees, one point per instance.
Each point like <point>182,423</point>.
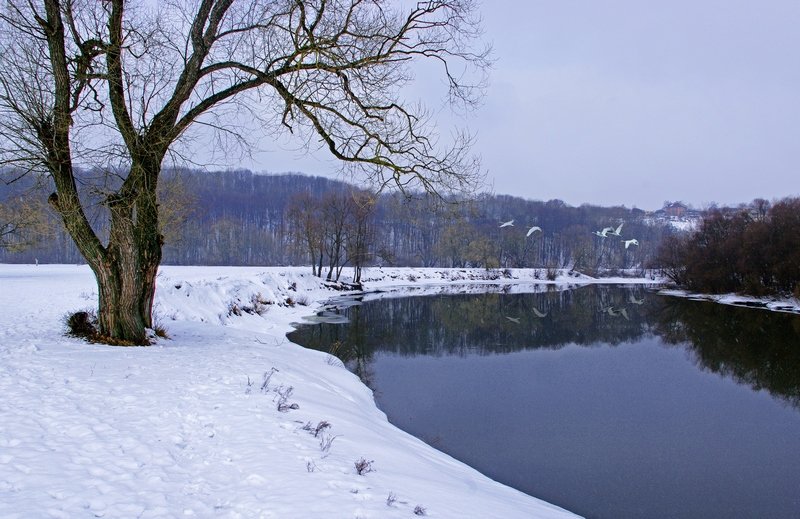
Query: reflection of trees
<point>460,324</point>
<point>755,347</point>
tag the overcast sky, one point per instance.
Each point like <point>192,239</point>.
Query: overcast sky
<point>631,102</point>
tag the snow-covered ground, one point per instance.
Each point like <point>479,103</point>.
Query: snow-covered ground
<point>224,419</point>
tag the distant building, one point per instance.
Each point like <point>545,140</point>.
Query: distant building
<point>676,209</point>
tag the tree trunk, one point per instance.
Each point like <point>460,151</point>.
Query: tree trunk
<point>127,280</point>
<point>126,297</point>
<point>126,268</point>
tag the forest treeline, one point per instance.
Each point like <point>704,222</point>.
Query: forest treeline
<point>242,218</point>
<point>753,250</point>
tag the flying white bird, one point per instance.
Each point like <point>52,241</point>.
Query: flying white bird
<point>616,232</point>
<point>628,243</point>
<point>539,313</point>
<point>632,299</point>
<point>509,223</point>
<point>533,230</point>
<point>624,314</point>
<point>604,232</point>
<point>513,319</point>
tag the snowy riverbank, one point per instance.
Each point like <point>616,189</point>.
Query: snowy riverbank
<point>790,305</point>
<point>224,419</point>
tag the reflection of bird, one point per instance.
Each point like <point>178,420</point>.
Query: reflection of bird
<point>632,299</point>
<point>616,313</point>
<point>509,223</point>
<point>513,319</point>
<point>616,232</point>
<point>628,243</point>
<point>539,313</point>
<point>533,230</point>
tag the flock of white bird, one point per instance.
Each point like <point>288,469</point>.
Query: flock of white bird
<point>610,231</point>
<point>532,230</point>
<point>606,232</point>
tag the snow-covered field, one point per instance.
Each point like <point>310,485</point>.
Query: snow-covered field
<point>224,419</point>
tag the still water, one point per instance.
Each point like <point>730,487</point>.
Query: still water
<point>611,402</point>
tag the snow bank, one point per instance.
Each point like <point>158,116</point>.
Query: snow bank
<point>224,419</point>
<point>790,305</point>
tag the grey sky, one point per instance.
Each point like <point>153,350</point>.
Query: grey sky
<point>631,102</point>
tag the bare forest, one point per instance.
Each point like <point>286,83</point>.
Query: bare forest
<point>242,218</point>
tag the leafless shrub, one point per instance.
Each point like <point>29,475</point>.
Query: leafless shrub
<point>283,395</point>
<point>390,500</point>
<point>318,429</point>
<point>158,326</point>
<point>552,273</point>
<point>321,426</point>
<point>267,377</point>
<point>233,309</point>
<point>82,324</point>
<point>258,305</point>
<point>302,300</point>
<point>420,510</point>
<point>325,442</point>
<point>364,467</point>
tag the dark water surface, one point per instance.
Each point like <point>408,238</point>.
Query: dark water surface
<point>657,408</point>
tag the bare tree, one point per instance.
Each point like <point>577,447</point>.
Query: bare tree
<point>337,209</point>
<point>308,229</point>
<point>121,85</point>
<point>360,236</point>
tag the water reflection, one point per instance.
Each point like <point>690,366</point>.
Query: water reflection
<point>754,347</point>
